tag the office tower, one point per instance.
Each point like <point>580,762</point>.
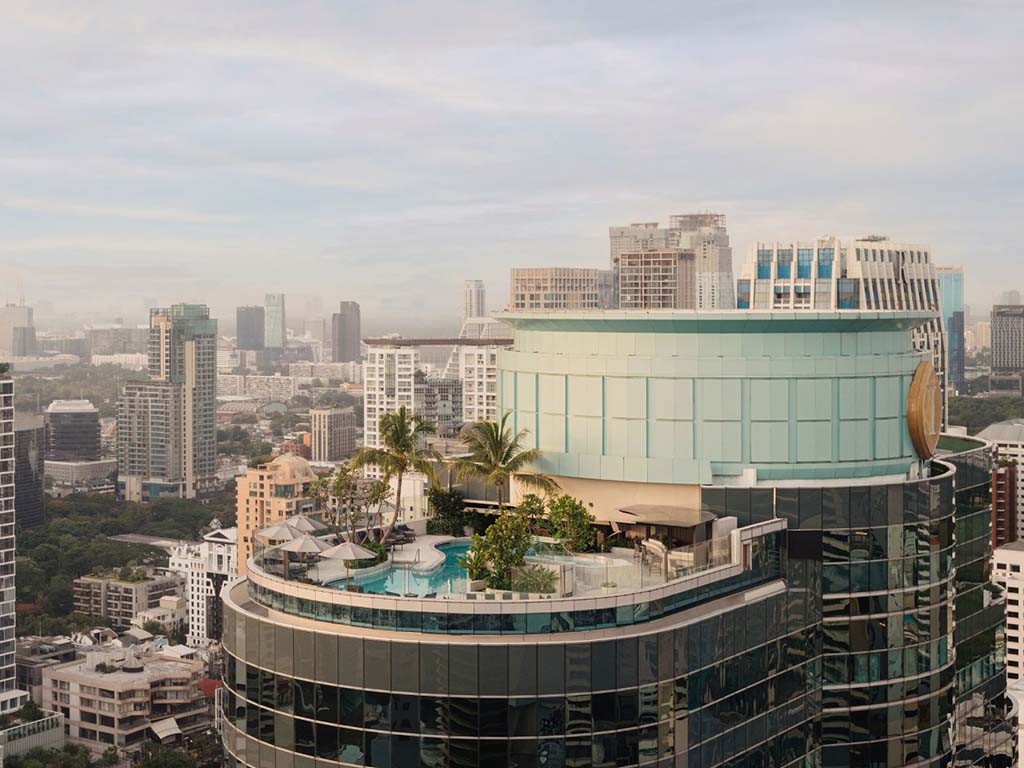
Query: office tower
<point>333,433</point>
<point>269,494</point>
<point>166,430</point>
<point>439,401</point>
<point>29,447</point>
<point>275,333</point>
<point>1004,501</point>
<point>206,566</point>
<point>16,330</point>
<point>10,697</point>
<point>694,265</point>
<point>1010,298</point>
<point>1008,439</point>
<point>815,591</point>
<point>250,328</point>
<point>951,293</point>
<point>474,300</point>
<point>346,330</point>
<point>72,431</point>
<point>389,382</point>
<point>561,288</point>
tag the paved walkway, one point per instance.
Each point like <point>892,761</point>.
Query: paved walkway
<point>420,555</point>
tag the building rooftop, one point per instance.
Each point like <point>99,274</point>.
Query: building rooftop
<point>71,406</point>
<point>1011,431</point>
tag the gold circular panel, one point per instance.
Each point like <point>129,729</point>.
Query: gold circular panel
<point>924,410</point>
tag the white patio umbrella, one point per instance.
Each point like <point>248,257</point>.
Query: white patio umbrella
<point>302,545</point>
<point>346,551</point>
<point>305,524</point>
<point>280,532</point>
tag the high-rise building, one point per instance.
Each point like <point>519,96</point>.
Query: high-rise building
<point>72,431</point>
<point>116,340</point>
<point>478,373</point>
<point>389,382</point>
<point>1008,573</point>
<point>346,330</point>
<point>1004,502</point>
<point>10,697</point>
<point>952,301</point>
<point>268,494</point>
<point>561,288</point>
<point>15,328</point>
<point>474,300</point>
<point>275,328</point>
<point>1010,298</point>
<point>1007,340</point>
<point>250,328</point>
<point>29,470</point>
<point>694,266</point>
<point>206,566</point>
<point>166,425</point>
<point>816,588</point>
<point>1008,438</point>
<point>665,279</point>
<point>332,433</point>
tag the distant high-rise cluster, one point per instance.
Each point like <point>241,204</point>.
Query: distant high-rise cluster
<point>951,299</point>
<point>17,332</point>
<point>166,437</point>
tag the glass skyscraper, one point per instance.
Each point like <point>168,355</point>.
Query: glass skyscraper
<point>815,590</point>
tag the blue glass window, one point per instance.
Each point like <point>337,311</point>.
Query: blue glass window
<point>784,267</point>
<point>825,258</point>
<point>764,264</point>
<point>804,258</point>
<point>847,293</point>
<point>743,294</point>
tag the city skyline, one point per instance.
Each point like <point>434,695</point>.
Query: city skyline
<point>247,173</point>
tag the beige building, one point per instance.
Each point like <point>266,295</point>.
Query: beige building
<point>115,699</point>
<point>333,433</point>
<point>267,495</point>
<point>561,288</point>
<point>659,279</point>
<point>121,599</point>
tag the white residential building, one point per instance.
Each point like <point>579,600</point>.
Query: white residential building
<point>389,379</point>
<point>1009,572</point>
<point>1008,437</point>
<point>206,565</point>
<point>478,371</point>
<point>274,387</point>
<point>10,697</point>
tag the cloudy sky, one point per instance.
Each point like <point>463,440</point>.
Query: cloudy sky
<point>384,152</point>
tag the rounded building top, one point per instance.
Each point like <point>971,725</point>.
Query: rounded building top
<point>289,467</point>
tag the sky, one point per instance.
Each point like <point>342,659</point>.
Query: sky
<point>384,152</point>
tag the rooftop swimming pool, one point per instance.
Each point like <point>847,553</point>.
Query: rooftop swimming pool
<point>450,578</point>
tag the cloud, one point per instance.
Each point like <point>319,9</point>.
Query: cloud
<point>58,207</point>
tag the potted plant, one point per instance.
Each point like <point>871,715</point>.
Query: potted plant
<point>477,566</point>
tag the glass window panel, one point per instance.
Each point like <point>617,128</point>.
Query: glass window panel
<point>463,716</point>
<point>377,709</point>
<point>434,668</point>
<point>350,661</point>
<point>405,667</point>
<point>493,670</point>
<point>350,707</point>
<point>377,664</point>
<point>493,717</point>
<point>462,670</point>
<point>326,658</point>
<point>522,670</point>
<point>522,717</point>
<point>550,669</point>
<point>577,667</point>
<point>433,714</point>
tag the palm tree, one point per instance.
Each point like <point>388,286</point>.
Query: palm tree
<point>496,455</point>
<point>402,435</point>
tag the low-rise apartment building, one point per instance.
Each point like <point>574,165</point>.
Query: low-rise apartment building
<point>119,597</point>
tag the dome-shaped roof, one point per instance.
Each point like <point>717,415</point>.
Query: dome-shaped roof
<point>290,468</point>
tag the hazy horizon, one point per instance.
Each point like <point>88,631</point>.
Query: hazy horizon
<point>385,153</point>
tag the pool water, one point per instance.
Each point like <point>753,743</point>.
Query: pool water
<point>450,578</point>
